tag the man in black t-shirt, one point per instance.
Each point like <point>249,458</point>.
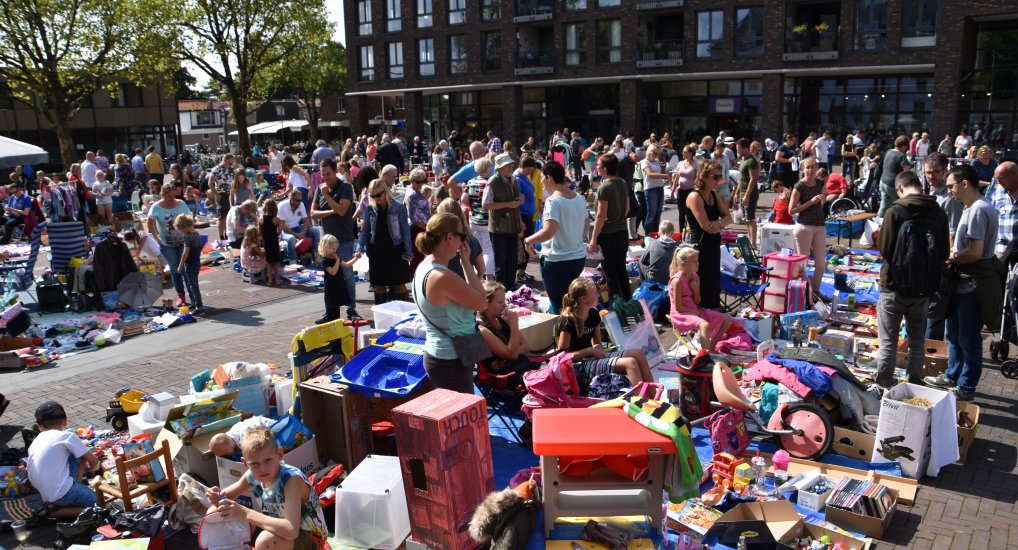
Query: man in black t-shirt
<point>783,159</point>
<point>334,208</point>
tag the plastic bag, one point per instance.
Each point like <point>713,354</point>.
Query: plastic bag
<point>191,504</point>
<point>112,335</point>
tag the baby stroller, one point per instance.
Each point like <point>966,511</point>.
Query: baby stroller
<point>1009,326</point>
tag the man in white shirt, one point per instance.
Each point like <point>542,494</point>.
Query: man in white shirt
<point>88,169</point>
<point>298,224</point>
<point>822,149</point>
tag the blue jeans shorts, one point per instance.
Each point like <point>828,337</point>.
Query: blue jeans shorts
<point>79,495</point>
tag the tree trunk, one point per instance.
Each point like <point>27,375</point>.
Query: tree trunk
<point>313,115</point>
<point>240,117</point>
<point>68,154</point>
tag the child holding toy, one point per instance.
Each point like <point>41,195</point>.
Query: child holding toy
<point>336,295</point>
<point>684,291</point>
<point>190,259</point>
<point>580,334</point>
<point>57,462</point>
<point>292,514</point>
<point>252,257</point>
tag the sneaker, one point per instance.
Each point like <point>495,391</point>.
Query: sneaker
<point>525,278</point>
<point>940,381</point>
<point>352,315</point>
<point>917,381</point>
<point>180,302</point>
<point>962,395</point>
<point>877,390</point>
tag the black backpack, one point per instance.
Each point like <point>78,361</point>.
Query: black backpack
<point>920,251</point>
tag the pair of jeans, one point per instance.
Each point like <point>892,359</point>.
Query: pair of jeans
<point>964,341</point>
<point>506,248</point>
<point>291,241</point>
<point>305,198</point>
<point>172,255</point>
<point>449,374</point>
<point>890,310</point>
<point>484,237</point>
<point>192,265</point>
<point>887,197</point>
<point>641,214</point>
<point>346,252</point>
<point>557,277</point>
<point>10,224</point>
<point>935,329</point>
<point>79,495</point>
<point>655,203</point>
<point>848,168</point>
<point>614,247</point>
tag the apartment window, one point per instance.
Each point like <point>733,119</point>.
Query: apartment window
<point>609,41</point>
<point>340,104</point>
<point>395,60</point>
<point>458,54</point>
<point>280,111</point>
<point>576,5</point>
<point>364,17</point>
<point>491,10</point>
<point>129,96</point>
<point>206,136</point>
<point>491,50</point>
<point>749,28</point>
<point>918,23</point>
<point>393,21</point>
<point>425,10</point>
<point>609,3</point>
<point>426,56</point>
<point>457,12</point>
<point>709,31</point>
<point>367,57</point>
<point>576,44</point>
<point>871,25</point>
<point>205,118</point>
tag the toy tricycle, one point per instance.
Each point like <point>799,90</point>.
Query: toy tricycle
<point>126,403</point>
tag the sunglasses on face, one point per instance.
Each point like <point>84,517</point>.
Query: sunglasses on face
<point>377,196</point>
<point>715,177</point>
<point>462,236</point>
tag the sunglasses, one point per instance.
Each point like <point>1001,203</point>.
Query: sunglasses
<point>462,236</point>
<point>716,177</point>
<point>377,196</point>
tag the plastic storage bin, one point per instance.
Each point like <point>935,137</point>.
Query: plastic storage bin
<point>379,371</point>
<point>785,267</point>
<point>391,313</point>
<point>371,508</point>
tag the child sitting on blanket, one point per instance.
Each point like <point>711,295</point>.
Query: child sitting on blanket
<point>291,515</point>
<point>57,462</point>
<point>252,257</point>
<point>684,290</point>
<point>227,445</point>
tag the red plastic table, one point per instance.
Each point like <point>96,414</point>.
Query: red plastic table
<point>597,432</point>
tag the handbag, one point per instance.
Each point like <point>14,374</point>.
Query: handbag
<point>470,348</point>
<point>728,432</point>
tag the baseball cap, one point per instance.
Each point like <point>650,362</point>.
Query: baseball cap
<point>503,160</point>
<point>50,410</point>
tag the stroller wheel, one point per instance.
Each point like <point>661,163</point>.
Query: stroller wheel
<point>1009,368</point>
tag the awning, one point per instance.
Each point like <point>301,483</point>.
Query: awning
<point>295,124</point>
<point>334,123</point>
<point>14,153</point>
<point>273,127</point>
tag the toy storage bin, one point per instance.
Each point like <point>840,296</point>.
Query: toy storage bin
<point>774,303</point>
<point>785,267</point>
<point>391,313</point>
<point>371,508</point>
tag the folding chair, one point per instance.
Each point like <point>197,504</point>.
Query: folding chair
<point>737,292</point>
<point>18,274</point>
<point>66,241</point>
<point>122,490</point>
<point>504,396</point>
<point>749,255</point>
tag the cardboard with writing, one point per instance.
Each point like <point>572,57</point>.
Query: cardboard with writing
<point>190,450</point>
<point>922,439</point>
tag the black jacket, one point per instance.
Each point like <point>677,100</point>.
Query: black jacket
<point>111,262</point>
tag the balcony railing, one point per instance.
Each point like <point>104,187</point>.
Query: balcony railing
<point>533,10</point>
<point>535,61</point>
<point>658,4</point>
<point>811,45</point>
<point>659,53</point>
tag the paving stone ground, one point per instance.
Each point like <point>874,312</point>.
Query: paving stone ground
<point>971,506</point>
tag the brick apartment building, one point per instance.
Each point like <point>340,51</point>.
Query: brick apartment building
<point>689,67</point>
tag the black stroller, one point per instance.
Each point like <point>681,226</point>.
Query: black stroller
<point>1008,326</point>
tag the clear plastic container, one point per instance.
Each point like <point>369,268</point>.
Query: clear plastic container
<point>371,507</point>
<point>391,313</point>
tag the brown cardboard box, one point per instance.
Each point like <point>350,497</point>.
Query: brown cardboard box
<point>867,525</point>
<point>967,435</point>
<point>785,524</point>
<point>190,451</point>
<point>340,419</point>
<point>538,330</point>
<point>853,444</point>
<point>936,356</point>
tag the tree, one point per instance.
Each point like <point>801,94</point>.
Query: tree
<point>314,74</point>
<point>58,53</point>
<point>184,83</point>
<point>238,43</point>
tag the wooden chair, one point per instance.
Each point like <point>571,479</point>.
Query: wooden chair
<point>114,492</point>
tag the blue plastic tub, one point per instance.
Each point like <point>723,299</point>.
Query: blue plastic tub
<point>380,371</point>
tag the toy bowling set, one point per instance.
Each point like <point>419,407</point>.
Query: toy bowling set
<point>445,457</point>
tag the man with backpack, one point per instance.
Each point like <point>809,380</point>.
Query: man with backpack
<point>913,241</point>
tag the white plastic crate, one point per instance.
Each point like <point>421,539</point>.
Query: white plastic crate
<point>391,313</point>
<point>371,508</point>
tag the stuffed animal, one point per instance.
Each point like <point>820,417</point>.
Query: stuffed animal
<point>504,519</point>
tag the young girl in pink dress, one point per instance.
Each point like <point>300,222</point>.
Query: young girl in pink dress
<point>684,291</point>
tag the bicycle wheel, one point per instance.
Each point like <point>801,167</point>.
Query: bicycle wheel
<point>816,434</point>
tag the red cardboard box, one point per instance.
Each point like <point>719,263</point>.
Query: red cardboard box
<point>445,456</point>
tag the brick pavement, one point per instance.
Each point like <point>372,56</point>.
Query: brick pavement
<point>972,506</point>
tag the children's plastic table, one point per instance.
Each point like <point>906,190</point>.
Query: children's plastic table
<point>598,432</point>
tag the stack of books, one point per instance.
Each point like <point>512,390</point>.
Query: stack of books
<point>862,497</point>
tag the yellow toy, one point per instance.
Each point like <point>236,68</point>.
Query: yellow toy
<point>126,403</point>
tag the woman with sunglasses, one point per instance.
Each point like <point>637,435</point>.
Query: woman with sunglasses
<point>708,215</point>
<point>810,232</point>
<point>447,301</point>
<point>385,238</point>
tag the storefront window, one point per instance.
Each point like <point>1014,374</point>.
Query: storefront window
<point>690,110</point>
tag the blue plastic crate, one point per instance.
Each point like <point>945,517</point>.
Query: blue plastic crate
<point>845,229</point>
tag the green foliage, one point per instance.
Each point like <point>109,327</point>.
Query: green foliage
<point>183,85</point>
<point>315,72</point>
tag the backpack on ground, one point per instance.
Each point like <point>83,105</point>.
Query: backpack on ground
<point>920,250</point>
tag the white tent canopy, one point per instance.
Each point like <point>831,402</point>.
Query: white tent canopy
<point>273,127</point>
<point>13,153</point>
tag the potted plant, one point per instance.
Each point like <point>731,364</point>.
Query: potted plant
<point>821,28</point>
<point>800,29</point>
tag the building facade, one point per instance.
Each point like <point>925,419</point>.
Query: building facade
<point>203,122</point>
<point>688,67</point>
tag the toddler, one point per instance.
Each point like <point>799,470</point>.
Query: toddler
<point>299,525</point>
<point>57,462</point>
<point>336,295</point>
<point>144,245</point>
<point>252,257</point>
<point>102,190</point>
<point>684,291</point>
<point>781,214</point>
<point>271,226</point>
<point>261,186</point>
<point>190,259</point>
<point>191,200</point>
<point>580,333</point>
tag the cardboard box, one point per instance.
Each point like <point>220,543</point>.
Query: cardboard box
<point>304,458</point>
<point>838,342</point>
<point>775,236</point>
<point>866,525</point>
<point>340,419</point>
<point>815,502</point>
<point>965,435</point>
<point>283,390</point>
<point>853,444</point>
<point>846,540</point>
<point>538,330</point>
<point>785,525</point>
<point>445,457</point>
<point>935,361</point>
<point>904,430</point>
<point>190,449</point>
<point>137,424</point>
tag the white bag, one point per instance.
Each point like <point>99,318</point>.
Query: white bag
<point>191,504</point>
<point>867,240</point>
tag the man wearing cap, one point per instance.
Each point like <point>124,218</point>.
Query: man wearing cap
<point>502,199</point>
<point>57,462</point>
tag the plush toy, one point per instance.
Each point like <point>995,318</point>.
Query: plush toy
<point>504,519</point>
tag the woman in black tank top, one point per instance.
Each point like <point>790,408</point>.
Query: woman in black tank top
<point>708,216</point>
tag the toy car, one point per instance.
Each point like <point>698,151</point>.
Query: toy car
<point>731,474</point>
<point>126,403</point>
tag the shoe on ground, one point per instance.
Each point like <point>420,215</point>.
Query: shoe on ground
<point>322,320</point>
<point>877,390</point>
<point>354,316</point>
<point>180,302</point>
<point>917,381</point>
<point>525,278</point>
<point>962,395</point>
<point>939,381</point>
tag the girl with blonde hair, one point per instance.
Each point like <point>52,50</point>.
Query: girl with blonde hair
<point>684,292</point>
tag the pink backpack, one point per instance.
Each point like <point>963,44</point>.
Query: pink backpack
<point>554,387</point>
<point>728,432</point>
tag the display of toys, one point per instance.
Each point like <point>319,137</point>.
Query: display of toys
<point>126,403</point>
<point>731,473</point>
<point>13,481</point>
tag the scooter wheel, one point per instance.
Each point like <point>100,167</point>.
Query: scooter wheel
<point>1009,368</point>
<point>817,434</point>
